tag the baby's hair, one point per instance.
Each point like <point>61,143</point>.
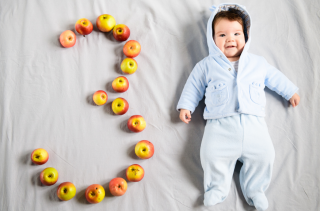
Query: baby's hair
<point>231,15</point>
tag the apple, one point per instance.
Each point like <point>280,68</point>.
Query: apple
<point>84,26</point>
<point>136,123</point>
<point>66,191</point>
<point>120,106</point>
<point>120,84</point>
<point>129,66</point>
<point>95,193</point>
<point>134,173</point>
<point>118,186</point>
<point>68,38</point>
<point>100,97</point>
<point>49,176</point>
<point>132,48</point>
<point>121,32</point>
<point>39,156</point>
<point>144,149</point>
<point>105,22</point>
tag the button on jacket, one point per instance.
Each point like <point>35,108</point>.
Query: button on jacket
<point>226,91</point>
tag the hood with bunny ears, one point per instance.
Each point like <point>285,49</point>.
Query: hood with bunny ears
<point>213,49</point>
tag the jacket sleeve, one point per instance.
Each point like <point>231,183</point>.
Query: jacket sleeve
<point>278,82</point>
<point>193,90</point>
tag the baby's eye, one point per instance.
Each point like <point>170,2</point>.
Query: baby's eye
<point>237,34</point>
<point>222,35</point>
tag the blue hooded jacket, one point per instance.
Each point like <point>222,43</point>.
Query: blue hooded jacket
<point>226,91</point>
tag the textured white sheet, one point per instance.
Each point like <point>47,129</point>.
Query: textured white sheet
<point>45,93</point>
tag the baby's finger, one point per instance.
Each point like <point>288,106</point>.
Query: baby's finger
<point>186,121</point>
<point>183,118</point>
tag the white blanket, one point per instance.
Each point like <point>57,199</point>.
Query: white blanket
<point>45,103</point>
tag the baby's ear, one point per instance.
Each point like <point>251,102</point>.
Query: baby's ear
<point>212,8</point>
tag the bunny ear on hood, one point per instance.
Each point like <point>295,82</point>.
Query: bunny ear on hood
<point>241,10</point>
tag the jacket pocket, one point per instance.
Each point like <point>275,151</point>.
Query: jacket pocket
<point>257,94</point>
<point>219,94</point>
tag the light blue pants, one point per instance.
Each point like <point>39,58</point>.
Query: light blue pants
<point>241,137</point>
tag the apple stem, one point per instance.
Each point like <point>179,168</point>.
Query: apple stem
<point>84,36</point>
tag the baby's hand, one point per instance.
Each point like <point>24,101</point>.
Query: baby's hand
<point>294,100</point>
<point>185,115</point>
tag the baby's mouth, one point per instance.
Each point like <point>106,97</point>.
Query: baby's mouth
<point>231,46</point>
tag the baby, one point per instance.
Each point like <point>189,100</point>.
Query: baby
<point>233,82</point>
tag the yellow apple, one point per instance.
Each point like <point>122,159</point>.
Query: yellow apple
<point>144,149</point>
<point>129,66</point>
<point>134,173</point>
<point>105,22</point>
<point>136,123</point>
<point>120,106</point>
<point>120,84</point>
<point>49,176</point>
<point>95,193</point>
<point>100,97</point>
<point>66,191</point>
<point>39,156</point>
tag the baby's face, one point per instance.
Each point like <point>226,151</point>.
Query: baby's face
<point>229,38</point>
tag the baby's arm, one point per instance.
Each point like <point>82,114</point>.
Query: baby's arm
<point>278,82</point>
<point>185,115</point>
<point>294,100</point>
<point>192,93</point>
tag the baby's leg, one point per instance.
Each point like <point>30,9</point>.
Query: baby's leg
<point>258,156</point>
<point>220,148</point>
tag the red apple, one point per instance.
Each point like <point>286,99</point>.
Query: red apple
<point>136,123</point>
<point>49,176</point>
<point>120,106</point>
<point>134,173</point>
<point>121,32</point>
<point>129,66</point>
<point>120,84</point>
<point>118,186</point>
<point>144,149</point>
<point>105,22</point>
<point>100,97</point>
<point>84,26</point>
<point>68,38</point>
<point>132,49</point>
<point>66,191</point>
<point>39,156</point>
<point>95,193</point>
